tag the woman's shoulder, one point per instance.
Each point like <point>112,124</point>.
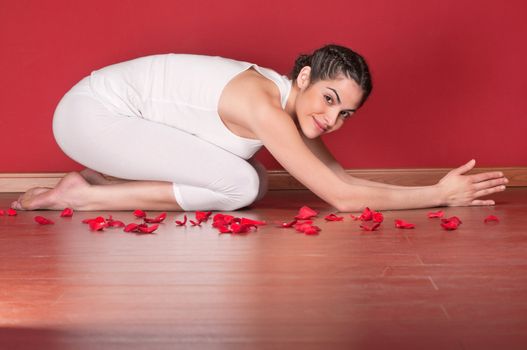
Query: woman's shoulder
<point>250,89</point>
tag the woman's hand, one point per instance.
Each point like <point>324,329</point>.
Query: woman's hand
<point>457,189</point>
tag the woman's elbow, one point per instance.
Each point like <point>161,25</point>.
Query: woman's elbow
<point>346,204</point>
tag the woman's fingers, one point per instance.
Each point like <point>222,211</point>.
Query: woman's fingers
<point>482,202</point>
<point>490,190</point>
<point>487,176</point>
<point>465,167</point>
<point>490,183</point>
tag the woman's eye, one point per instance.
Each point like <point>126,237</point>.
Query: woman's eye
<point>328,98</point>
<point>344,114</point>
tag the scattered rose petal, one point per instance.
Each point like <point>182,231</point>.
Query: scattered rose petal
<point>182,223</point>
<point>157,219</point>
<point>240,228</point>
<point>245,221</point>
<point>378,217</point>
<point>98,219</point>
<point>451,223</point>
<point>195,223</point>
<point>114,223</point>
<point>139,213</point>
<point>202,216</point>
<point>97,225</point>
<point>300,226</point>
<point>354,218</point>
<point>437,214</point>
<point>67,213</point>
<point>367,215</point>
<point>288,224</point>
<point>43,221</point>
<point>130,227</point>
<point>333,217</point>
<point>2,213</point>
<point>144,228</point>
<point>228,219</point>
<point>307,227</point>
<point>224,229</point>
<point>11,212</point>
<point>311,230</point>
<point>306,213</point>
<point>219,223</point>
<point>491,218</point>
<point>403,224</point>
<point>372,227</point>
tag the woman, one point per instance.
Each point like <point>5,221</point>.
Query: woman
<point>178,132</point>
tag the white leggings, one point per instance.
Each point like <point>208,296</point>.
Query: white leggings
<point>204,176</point>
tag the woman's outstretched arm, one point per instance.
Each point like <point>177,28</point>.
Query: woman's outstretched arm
<point>318,147</point>
<point>281,137</point>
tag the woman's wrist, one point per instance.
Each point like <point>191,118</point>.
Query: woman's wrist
<point>439,195</point>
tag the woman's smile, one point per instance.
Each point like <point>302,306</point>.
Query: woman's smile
<point>319,125</point>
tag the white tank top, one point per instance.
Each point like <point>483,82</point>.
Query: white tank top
<point>182,91</point>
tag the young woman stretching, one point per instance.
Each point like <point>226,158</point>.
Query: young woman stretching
<point>178,132</point>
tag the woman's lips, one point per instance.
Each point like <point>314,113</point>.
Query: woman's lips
<point>318,125</point>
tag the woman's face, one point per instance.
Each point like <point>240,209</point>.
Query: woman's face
<point>322,107</point>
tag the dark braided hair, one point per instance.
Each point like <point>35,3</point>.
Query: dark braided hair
<point>330,61</point>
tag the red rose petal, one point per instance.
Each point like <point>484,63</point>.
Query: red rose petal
<point>157,219</point>
<point>96,225</point>
<point>97,219</point>
<point>403,224</point>
<point>182,223</point>
<point>228,219</point>
<point>373,227</point>
<point>300,226</point>
<point>378,217</point>
<point>144,228</point>
<point>354,218</point>
<point>67,213</point>
<point>139,213</point>
<point>245,221</point>
<point>11,212</point>
<point>130,227</point>
<point>2,212</point>
<point>491,218</point>
<point>451,223</point>
<point>114,223</point>
<point>367,215</point>
<point>311,230</point>
<point>195,223</point>
<point>240,228</point>
<point>437,214</point>
<point>43,221</point>
<point>224,229</point>
<point>333,217</point>
<point>306,213</point>
<point>219,223</point>
<point>202,216</point>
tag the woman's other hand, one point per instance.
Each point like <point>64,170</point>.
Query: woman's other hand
<point>457,189</point>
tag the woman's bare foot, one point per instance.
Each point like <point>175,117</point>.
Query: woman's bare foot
<point>96,178</point>
<point>67,194</point>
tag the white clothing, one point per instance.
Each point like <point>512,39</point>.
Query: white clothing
<point>155,118</point>
<point>182,91</point>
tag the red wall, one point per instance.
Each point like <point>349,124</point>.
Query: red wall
<point>450,76</point>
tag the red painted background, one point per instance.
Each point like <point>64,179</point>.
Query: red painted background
<point>450,76</point>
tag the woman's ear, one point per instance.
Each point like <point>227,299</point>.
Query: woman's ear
<point>302,79</point>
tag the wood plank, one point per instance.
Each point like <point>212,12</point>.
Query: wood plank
<point>192,288</point>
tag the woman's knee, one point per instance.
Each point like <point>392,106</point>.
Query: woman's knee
<point>245,188</point>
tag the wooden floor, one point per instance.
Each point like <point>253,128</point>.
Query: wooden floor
<point>64,287</point>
